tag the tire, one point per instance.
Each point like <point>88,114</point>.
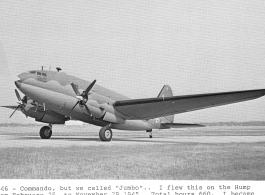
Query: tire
<point>45,132</point>
<point>105,134</point>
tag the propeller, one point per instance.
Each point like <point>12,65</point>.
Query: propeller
<point>82,98</point>
<point>21,102</point>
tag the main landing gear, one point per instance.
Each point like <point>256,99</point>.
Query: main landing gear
<point>46,132</point>
<point>105,133</point>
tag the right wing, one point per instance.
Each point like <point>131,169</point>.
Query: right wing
<point>149,108</point>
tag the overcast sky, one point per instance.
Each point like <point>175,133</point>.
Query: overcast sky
<point>135,47</point>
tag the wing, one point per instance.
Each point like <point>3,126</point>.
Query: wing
<point>11,107</point>
<point>163,106</point>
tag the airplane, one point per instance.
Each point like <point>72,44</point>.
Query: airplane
<point>54,97</point>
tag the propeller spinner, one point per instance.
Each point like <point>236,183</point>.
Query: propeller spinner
<point>82,98</point>
<point>21,102</point>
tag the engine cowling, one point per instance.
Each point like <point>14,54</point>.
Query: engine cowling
<point>46,116</point>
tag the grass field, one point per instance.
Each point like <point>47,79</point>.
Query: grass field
<point>148,160</point>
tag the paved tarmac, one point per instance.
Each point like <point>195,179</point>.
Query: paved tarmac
<point>88,136</point>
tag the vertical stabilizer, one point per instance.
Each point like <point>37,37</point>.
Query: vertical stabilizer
<point>166,91</point>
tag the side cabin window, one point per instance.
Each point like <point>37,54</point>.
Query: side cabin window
<point>42,77</point>
<point>44,74</point>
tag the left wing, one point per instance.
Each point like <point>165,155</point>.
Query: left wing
<point>11,107</point>
<point>163,106</point>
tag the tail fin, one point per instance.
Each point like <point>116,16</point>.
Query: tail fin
<point>166,91</point>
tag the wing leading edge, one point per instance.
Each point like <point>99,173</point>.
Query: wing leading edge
<point>162,106</point>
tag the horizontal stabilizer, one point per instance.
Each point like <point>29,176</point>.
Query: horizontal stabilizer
<point>179,125</point>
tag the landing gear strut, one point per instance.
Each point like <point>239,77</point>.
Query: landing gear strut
<point>105,134</point>
<point>150,133</point>
<point>46,132</point>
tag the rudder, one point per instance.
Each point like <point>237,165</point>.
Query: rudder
<point>166,91</point>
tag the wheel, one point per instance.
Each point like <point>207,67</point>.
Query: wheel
<point>105,134</point>
<point>45,132</point>
<point>150,135</point>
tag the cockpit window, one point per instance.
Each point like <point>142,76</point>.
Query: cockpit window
<point>38,73</point>
<point>32,72</point>
<point>44,74</point>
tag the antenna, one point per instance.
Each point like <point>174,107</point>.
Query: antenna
<point>42,67</point>
<point>58,69</point>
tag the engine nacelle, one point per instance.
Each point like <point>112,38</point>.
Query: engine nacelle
<point>46,116</point>
<point>106,111</point>
<point>52,118</point>
<point>113,118</point>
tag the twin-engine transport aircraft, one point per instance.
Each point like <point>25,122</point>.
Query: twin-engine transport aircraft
<point>55,97</point>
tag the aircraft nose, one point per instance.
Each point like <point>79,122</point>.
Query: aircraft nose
<point>22,76</point>
<point>18,83</point>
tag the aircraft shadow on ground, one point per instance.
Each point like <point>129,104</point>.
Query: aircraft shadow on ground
<point>59,138</point>
<point>117,140</point>
<point>136,139</point>
<point>145,141</point>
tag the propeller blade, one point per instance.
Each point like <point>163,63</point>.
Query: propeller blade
<point>75,89</point>
<point>73,108</point>
<point>18,96</point>
<point>25,100</point>
<point>87,109</point>
<point>14,111</point>
<point>89,87</point>
<point>82,98</point>
<point>37,106</point>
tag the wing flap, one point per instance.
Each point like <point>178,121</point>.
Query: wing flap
<point>162,106</point>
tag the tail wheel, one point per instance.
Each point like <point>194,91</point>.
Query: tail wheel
<point>105,134</point>
<point>45,132</point>
<point>150,133</point>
